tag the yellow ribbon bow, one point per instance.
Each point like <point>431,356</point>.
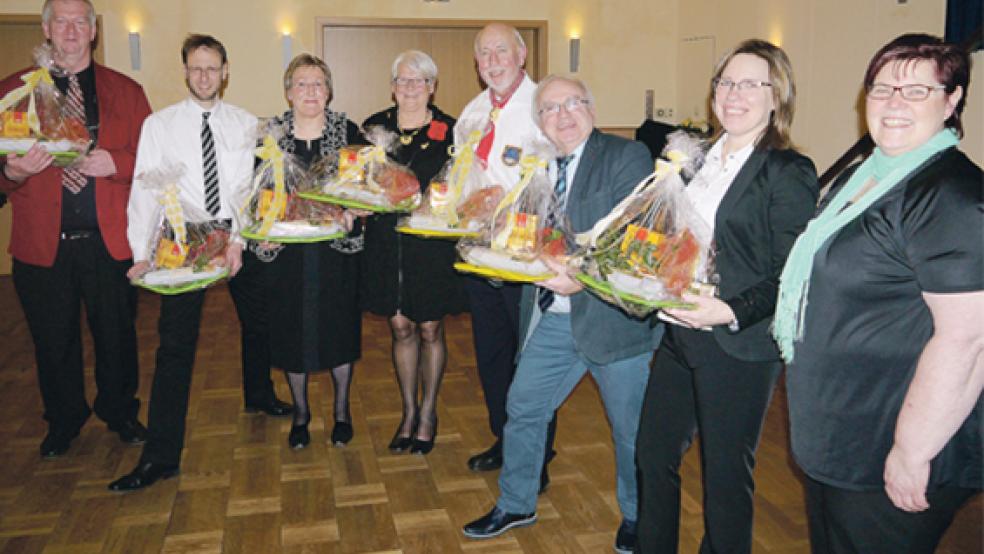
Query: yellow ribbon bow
<point>272,156</point>
<point>464,158</point>
<point>31,82</point>
<point>673,163</point>
<point>174,215</point>
<point>528,166</point>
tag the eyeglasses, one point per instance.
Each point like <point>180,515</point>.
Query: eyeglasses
<point>405,82</point>
<point>316,86</point>
<point>745,85</point>
<point>571,104</point>
<point>914,93</point>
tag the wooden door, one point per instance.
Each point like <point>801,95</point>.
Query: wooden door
<point>360,56</point>
<point>19,35</point>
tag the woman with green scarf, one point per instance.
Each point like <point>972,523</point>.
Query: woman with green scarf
<point>879,318</point>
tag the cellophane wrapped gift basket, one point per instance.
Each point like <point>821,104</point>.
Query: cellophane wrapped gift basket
<point>273,211</point>
<point>36,112</point>
<point>526,226</point>
<point>187,246</point>
<point>653,246</point>
<point>367,179</point>
<point>460,199</point>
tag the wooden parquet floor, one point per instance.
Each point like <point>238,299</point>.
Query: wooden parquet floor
<point>243,490</point>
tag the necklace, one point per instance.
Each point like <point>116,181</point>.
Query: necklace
<point>407,138</point>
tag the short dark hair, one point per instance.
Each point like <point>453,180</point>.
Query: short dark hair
<point>952,66</point>
<point>194,42</point>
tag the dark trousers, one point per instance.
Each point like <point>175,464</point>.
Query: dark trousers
<point>83,272</point>
<point>860,522</point>
<point>178,327</point>
<point>495,330</point>
<point>695,387</point>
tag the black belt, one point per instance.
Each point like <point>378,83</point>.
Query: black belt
<point>75,235</point>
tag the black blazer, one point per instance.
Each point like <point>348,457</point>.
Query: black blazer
<point>766,207</point>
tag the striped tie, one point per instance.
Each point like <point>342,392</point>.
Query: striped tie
<point>210,167</point>
<point>546,298</point>
<point>74,109</point>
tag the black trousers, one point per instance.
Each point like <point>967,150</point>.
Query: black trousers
<point>695,387</point>
<point>860,522</point>
<point>495,330</point>
<point>51,297</point>
<point>178,327</point>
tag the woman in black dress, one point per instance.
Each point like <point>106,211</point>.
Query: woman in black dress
<point>315,320</point>
<point>411,279</point>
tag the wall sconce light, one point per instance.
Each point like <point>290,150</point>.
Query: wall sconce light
<point>575,54</point>
<point>288,47</point>
<point>135,51</point>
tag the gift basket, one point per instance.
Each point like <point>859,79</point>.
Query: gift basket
<point>273,211</point>
<point>187,246</point>
<point>367,179</point>
<point>459,202</point>
<point>36,112</point>
<point>526,226</point>
<point>653,246</point>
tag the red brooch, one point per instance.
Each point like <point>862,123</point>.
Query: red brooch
<point>437,130</point>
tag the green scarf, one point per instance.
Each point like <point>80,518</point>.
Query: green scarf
<point>794,284</point>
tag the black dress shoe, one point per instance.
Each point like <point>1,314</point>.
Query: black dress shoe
<point>272,407</point>
<point>130,431</point>
<point>56,443</point>
<point>625,539</point>
<point>299,436</point>
<point>401,444</point>
<point>496,523</point>
<point>144,475</point>
<point>421,446</point>
<point>342,433</point>
<point>489,460</point>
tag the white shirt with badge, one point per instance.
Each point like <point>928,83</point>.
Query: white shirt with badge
<point>515,131</point>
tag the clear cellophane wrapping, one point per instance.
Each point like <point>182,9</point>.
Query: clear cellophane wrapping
<point>527,225</point>
<point>272,210</point>
<point>460,197</point>
<point>37,112</point>
<point>368,178</point>
<point>653,246</point>
<point>186,245</point>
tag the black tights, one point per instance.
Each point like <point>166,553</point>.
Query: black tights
<point>418,349</point>
<point>341,377</point>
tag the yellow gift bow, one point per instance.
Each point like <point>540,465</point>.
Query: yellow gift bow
<point>174,215</point>
<point>365,156</point>
<point>528,166</point>
<point>31,82</point>
<point>673,163</point>
<point>272,156</point>
<point>464,158</point>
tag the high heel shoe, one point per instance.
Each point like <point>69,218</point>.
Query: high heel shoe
<point>401,444</point>
<point>342,433</point>
<point>420,446</point>
<point>299,436</point>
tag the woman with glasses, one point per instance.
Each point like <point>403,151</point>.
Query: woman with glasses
<point>315,321</point>
<point>715,369</point>
<point>409,279</point>
<point>879,318</point>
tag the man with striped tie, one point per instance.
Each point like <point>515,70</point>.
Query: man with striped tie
<point>214,141</point>
<point>68,238</point>
<point>560,322</point>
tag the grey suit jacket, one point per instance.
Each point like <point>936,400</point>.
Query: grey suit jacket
<point>610,167</point>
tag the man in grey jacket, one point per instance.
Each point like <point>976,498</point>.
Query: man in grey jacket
<point>568,331</point>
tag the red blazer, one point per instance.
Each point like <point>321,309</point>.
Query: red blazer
<point>37,201</point>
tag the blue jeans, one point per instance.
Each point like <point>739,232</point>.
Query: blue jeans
<point>549,368</point>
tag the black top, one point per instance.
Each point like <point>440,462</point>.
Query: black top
<point>866,324</point>
<point>79,210</point>
<point>401,272</point>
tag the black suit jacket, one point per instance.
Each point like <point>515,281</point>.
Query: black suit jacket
<point>766,207</point>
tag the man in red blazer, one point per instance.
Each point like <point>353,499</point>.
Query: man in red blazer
<point>69,239</point>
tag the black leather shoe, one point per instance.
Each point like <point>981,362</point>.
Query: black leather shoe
<point>299,436</point>
<point>130,431</point>
<point>496,523</point>
<point>342,433</point>
<point>144,475</point>
<point>489,460</point>
<point>402,444</point>
<point>273,407</point>
<point>421,446</point>
<point>625,539</point>
<point>56,443</point>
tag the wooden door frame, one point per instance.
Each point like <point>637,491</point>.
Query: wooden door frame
<point>541,27</point>
<point>97,47</point>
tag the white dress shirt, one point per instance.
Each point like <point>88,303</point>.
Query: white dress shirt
<point>173,136</point>
<point>708,187</point>
<point>562,302</point>
<point>514,128</point>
